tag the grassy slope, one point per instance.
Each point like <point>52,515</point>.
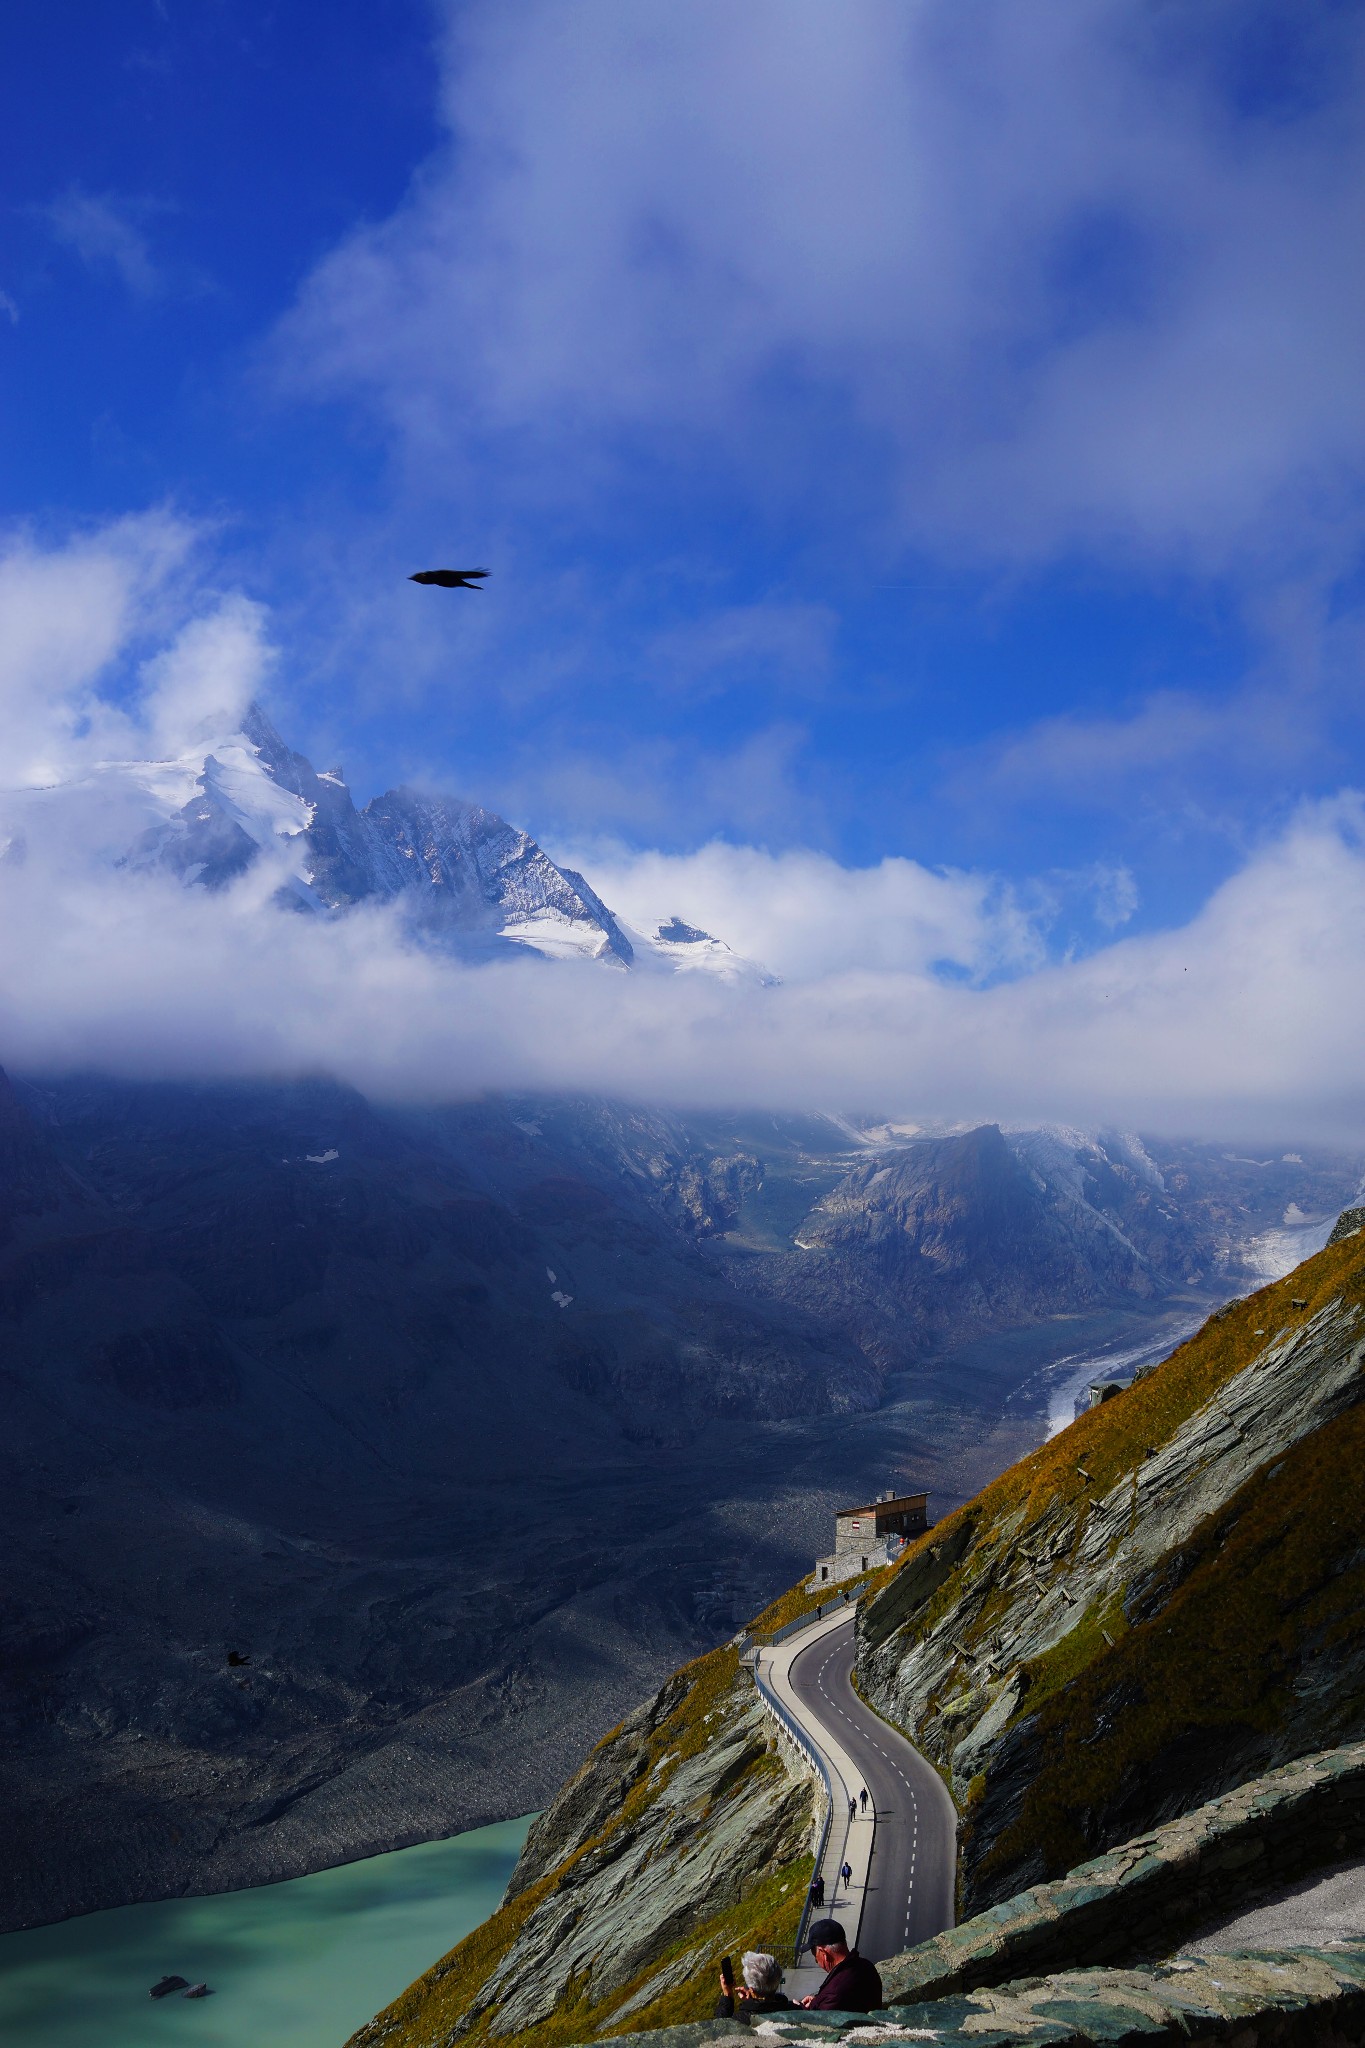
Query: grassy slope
<point>1273,1580</point>
<point>438,2002</point>
<point>1279,1577</point>
<point>1269,1577</point>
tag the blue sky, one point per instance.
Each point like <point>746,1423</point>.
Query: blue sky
<point>894,430</point>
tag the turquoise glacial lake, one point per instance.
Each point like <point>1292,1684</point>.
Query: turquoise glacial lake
<point>294,1965</point>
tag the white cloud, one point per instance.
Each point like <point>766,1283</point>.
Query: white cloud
<point>1245,1021</point>
<point>1032,265</point>
<point>1115,893</point>
<point>202,683</point>
<point>1171,736</point>
<point>104,231</point>
<point>806,916</point>
<point>67,616</point>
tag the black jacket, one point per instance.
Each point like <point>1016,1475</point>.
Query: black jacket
<point>851,1986</point>
<point>762,2001</point>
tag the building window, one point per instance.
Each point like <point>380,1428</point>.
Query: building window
<point>864,1564</point>
<point>824,1571</point>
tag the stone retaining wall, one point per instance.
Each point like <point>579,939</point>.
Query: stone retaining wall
<point>1294,1998</point>
<point>1148,1895</point>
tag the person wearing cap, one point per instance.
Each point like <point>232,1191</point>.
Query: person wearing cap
<point>851,1982</point>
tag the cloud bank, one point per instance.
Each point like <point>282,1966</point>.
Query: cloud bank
<point>1044,278</point>
<point>907,991</point>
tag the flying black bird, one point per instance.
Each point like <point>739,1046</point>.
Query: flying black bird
<point>450,579</point>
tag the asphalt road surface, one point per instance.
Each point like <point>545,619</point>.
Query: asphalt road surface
<point>911,1883</point>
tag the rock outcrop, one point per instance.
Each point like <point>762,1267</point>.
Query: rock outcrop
<point>1163,1601</point>
<point>685,1833</point>
<point>1293,1998</point>
<point>420,1409</point>
<point>1349,1224</point>
<point>1160,1605</point>
<point>1148,1895</point>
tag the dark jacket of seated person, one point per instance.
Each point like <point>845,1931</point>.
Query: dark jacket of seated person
<point>851,1981</point>
<point>756,2001</point>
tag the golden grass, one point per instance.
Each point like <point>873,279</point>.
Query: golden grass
<point>797,1602</point>
<point>767,1919</point>
<point>439,2000</point>
<point>1277,1577</point>
<point>1110,1442</point>
<point>1223,1650</point>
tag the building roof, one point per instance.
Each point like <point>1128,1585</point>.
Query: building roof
<point>901,1500</point>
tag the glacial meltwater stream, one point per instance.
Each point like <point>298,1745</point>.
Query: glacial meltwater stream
<point>294,1965</point>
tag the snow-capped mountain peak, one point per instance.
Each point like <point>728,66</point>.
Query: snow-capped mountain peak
<point>686,949</point>
<point>464,877</point>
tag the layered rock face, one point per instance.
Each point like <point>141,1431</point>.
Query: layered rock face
<point>1150,1894</point>
<point>1311,1997</point>
<point>1166,1599</point>
<point>1163,1602</point>
<point>685,1833</point>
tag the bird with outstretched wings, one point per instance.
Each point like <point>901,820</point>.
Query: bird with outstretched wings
<point>451,579</point>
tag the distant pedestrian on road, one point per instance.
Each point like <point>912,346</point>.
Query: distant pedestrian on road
<point>852,1808</point>
<point>817,1892</point>
<point>862,1799</point>
<point>847,1873</point>
<point>851,1983</point>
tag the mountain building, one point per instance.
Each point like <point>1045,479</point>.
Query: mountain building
<point>870,1536</point>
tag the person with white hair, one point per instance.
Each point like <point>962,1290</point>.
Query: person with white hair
<point>761,1990</point>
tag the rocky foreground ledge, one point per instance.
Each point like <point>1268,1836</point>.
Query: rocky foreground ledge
<point>1291,1997</point>
<point>1049,1965</point>
<point>1147,1895</point>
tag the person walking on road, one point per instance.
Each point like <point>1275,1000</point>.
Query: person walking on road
<point>852,1808</point>
<point>817,1891</point>
<point>851,1982</point>
<point>847,1873</point>
<point>862,1799</point>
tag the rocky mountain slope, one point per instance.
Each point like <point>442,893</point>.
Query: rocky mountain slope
<point>921,1244</point>
<point>685,1836</point>
<point>1163,1601</point>
<point>464,1425</point>
<point>1159,1604</point>
<point>414,1424</point>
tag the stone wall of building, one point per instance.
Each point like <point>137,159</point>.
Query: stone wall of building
<point>851,1564</point>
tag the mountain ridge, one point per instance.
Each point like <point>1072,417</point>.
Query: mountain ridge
<point>463,877</point>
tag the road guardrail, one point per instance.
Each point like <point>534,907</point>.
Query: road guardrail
<point>797,1736</point>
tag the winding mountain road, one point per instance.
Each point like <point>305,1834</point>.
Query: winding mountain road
<point>910,1879</point>
<point>901,1850</point>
